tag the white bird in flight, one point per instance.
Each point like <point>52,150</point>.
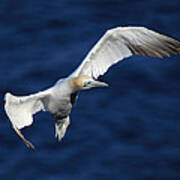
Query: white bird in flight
<point>115,45</point>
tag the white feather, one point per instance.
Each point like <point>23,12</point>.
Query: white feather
<point>116,45</point>
<point>20,110</point>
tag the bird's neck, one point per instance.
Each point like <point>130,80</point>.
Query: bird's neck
<point>68,85</point>
<point>76,84</point>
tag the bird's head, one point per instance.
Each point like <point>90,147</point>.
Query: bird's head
<point>85,82</point>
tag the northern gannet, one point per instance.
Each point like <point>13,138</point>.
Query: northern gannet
<point>115,45</point>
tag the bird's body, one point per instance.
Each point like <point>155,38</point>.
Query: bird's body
<point>60,103</point>
<point>59,99</point>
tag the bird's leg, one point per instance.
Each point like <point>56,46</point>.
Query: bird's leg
<point>28,144</point>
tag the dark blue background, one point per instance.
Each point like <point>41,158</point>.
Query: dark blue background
<point>129,131</point>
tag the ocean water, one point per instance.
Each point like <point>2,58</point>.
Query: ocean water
<point>129,131</point>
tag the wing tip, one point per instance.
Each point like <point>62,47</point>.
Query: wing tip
<point>26,142</point>
<point>7,95</point>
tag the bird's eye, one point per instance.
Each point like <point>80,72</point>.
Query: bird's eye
<point>87,83</point>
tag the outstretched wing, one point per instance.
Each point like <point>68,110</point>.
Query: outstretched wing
<point>20,110</point>
<point>122,42</point>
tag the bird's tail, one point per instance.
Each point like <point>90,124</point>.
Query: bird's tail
<point>61,126</point>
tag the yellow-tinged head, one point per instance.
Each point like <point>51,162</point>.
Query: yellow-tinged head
<point>85,82</point>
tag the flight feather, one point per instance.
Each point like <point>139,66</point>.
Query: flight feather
<point>122,42</point>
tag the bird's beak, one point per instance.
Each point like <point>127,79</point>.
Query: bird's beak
<point>99,84</point>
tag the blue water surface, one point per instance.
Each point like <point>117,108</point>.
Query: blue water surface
<point>129,131</point>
